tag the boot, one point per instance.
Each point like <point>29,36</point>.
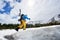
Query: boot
<point>17,29</point>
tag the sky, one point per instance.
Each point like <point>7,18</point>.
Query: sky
<point>37,10</point>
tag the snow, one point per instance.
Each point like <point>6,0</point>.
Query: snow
<point>40,33</point>
<point>6,32</point>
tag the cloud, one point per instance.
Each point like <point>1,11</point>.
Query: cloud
<point>6,8</point>
<point>35,9</point>
<point>41,9</point>
<point>12,17</point>
<point>18,0</point>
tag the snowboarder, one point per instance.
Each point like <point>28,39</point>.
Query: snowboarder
<point>23,22</point>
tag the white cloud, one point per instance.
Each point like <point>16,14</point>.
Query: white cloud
<point>5,18</point>
<point>35,9</point>
<point>41,9</point>
<point>1,4</point>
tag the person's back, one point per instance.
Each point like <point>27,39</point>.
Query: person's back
<point>21,17</point>
<point>24,17</point>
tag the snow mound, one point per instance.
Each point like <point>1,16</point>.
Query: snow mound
<point>41,33</point>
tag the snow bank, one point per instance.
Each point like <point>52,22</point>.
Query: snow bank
<point>6,32</point>
<point>41,33</point>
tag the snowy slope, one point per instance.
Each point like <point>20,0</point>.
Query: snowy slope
<point>42,33</point>
<point>6,32</point>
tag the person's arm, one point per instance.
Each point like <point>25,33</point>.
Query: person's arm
<point>27,17</point>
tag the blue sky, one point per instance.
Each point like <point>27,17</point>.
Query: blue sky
<point>5,10</point>
<point>37,10</point>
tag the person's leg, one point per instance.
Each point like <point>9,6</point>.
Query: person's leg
<point>24,26</point>
<point>19,27</point>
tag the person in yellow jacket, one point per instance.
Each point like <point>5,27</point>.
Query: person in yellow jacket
<point>23,22</point>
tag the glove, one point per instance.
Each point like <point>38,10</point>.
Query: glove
<point>29,18</point>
